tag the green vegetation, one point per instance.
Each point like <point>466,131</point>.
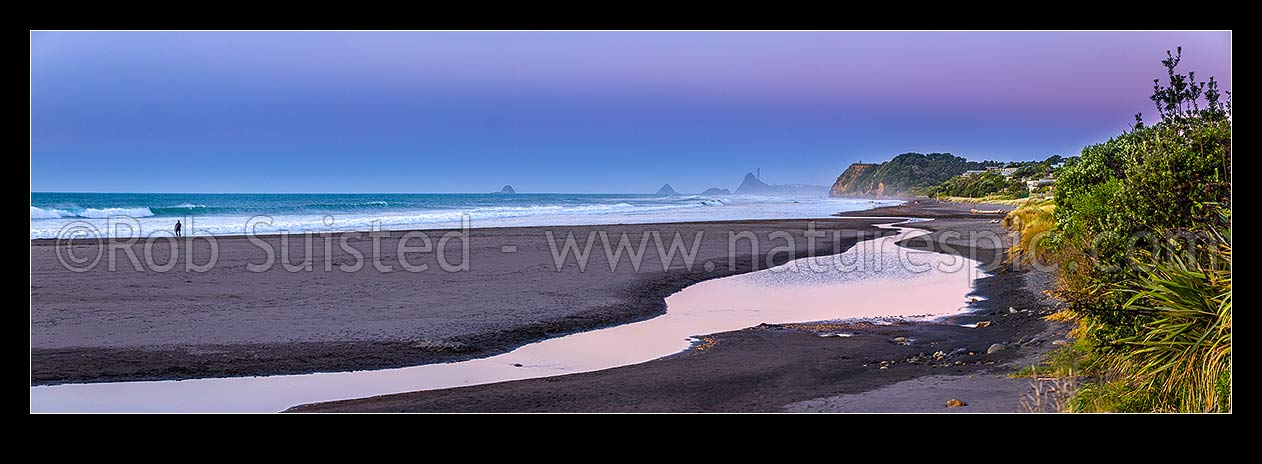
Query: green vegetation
<point>1141,229</point>
<point>905,174</point>
<point>995,186</point>
<point>980,185</point>
<point>1179,358</point>
<point>1038,169</point>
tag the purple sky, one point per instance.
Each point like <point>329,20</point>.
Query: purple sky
<point>569,111</point>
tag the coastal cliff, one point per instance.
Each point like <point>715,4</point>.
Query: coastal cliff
<point>847,182</point>
<point>904,175</point>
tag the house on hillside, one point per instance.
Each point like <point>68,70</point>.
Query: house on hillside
<point>1006,172</point>
<point>1034,184</point>
<point>975,171</point>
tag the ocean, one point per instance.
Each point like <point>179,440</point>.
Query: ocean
<point>55,215</point>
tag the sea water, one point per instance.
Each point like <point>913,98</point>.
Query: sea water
<point>54,215</point>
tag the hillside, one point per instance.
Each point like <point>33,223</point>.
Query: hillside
<point>980,185</point>
<point>903,175</point>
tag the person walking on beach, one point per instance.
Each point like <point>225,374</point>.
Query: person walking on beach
<point>177,227</point>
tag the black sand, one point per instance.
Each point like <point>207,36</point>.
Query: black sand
<point>146,325</point>
<point>791,368</point>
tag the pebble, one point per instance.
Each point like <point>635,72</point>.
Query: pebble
<point>1012,310</point>
<point>996,348</point>
<point>958,351</point>
<point>982,324</point>
<point>954,403</point>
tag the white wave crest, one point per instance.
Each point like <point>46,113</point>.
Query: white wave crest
<point>51,213</point>
<point>95,213</point>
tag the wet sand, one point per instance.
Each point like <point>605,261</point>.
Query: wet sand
<point>790,367</point>
<point>146,325</point>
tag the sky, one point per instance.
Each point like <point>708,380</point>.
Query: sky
<point>572,112</point>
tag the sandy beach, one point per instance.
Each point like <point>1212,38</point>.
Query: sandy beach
<point>789,367</point>
<point>145,325</point>
<point>229,321</point>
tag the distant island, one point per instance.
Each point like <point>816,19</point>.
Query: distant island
<point>666,191</point>
<point>716,191</point>
<point>507,189</point>
<point>751,185</point>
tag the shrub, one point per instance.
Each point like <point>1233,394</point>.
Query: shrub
<point>1153,313</point>
<point>1180,358</point>
<point>1168,176</point>
<point>980,185</point>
